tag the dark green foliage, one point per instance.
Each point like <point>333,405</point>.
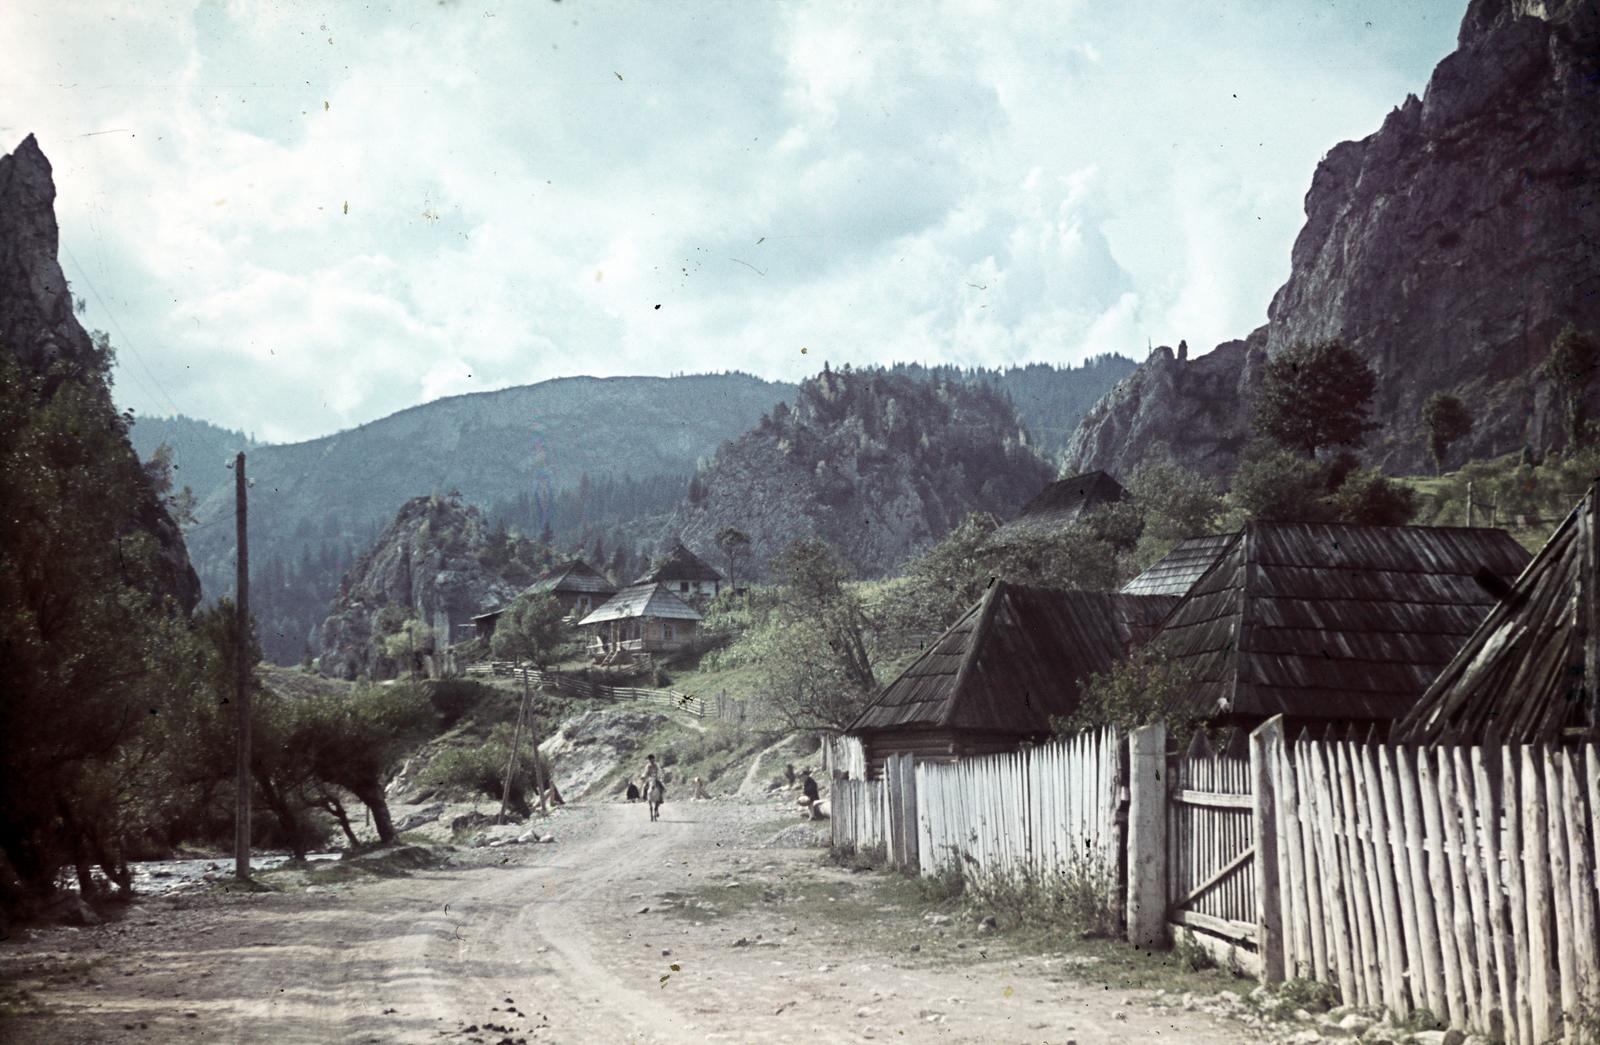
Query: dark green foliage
<point>1570,368</point>
<point>480,768</point>
<point>88,655</point>
<point>1140,690</point>
<point>1274,484</point>
<point>1314,395</point>
<point>531,630</point>
<point>735,546</point>
<point>1447,420</point>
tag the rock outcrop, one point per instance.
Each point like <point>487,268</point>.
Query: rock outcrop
<point>1448,248</point>
<point>434,564</point>
<point>39,329</point>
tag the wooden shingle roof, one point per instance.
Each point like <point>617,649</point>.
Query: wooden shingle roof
<point>680,564</point>
<point>1175,572</point>
<point>642,600</point>
<point>1014,660</point>
<point>1063,502</point>
<point>1527,674</point>
<point>575,576</point>
<point>1326,621</point>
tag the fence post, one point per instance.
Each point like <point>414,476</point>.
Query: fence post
<point>1266,752</point>
<point>908,814</point>
<point>1147,836</point>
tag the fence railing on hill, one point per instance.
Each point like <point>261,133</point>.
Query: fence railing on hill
<point>570,684</point>
<point>1460,880</point>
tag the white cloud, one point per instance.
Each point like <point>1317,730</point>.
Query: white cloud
<point>306,217</point>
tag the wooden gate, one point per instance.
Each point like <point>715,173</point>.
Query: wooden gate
<point>1211,850</point>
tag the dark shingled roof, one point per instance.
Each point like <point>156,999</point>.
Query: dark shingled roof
<point>1063,502</point>
<point>1526,676</point>
<point>576,576</point>
<point>680,564</point>
<point>642,600</point>
<point>1014,660</point>
<point>1176,571</point>
<point>1323,621</point>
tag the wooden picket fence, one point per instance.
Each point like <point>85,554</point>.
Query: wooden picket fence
<point>667,699</point>
<point>1044,810</point>
<point>1461,880</point>
<point>859,814</point>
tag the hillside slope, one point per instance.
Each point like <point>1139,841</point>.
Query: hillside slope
<point>877,464</point>
<point>1448,248</point>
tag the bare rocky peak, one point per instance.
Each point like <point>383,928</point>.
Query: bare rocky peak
<point>39,329</point>
<point>1448,247</point>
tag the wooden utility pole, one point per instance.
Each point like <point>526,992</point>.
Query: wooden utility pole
<point>241,676</point>
<point>516,738</point>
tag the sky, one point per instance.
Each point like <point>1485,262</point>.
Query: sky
<point>293,218</point>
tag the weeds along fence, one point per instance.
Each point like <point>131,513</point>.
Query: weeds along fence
<point>1461,880</point>
<point>667,699</point>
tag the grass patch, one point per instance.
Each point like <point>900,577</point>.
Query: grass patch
<point>1080,898</point>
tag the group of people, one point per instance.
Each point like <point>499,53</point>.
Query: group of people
<point>650,786</point>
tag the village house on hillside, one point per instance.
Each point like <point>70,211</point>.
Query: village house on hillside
<point>1062,503</point>
<point>687,575</point>
<point>1527,675</point>
<point>641,618</point>
<point>997,676</point>
<point>576,585</point>
<point>1326,623</point>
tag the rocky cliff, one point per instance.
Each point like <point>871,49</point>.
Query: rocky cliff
<point>878,464</point>
<point>39,329</point>
<point>1448,248</point>
<point>437,563</point>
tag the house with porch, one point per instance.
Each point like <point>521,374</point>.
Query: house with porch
<point>642,618</point>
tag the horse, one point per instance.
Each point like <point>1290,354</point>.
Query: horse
<point>655,794</point>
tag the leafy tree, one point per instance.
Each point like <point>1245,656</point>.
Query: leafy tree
<point>532,630</point>
<point>88,652</point>
<point>1447,420</point>
<point>735,545</point>
<point>1570,367</point>
<point>354,742</point>
<point>1175,502</point>
<point>1274,484</point>
<point>1370,498</point>
<point>813,582</point>
<point>1150,685</point>
<point>480,769</point>
<point>411,640</point>
<point>1315,394</point>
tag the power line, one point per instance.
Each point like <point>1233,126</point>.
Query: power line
<point>121,333</point>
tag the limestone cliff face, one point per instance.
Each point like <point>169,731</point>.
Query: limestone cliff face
<point>39,329</point>
<point>1448,248</point>
<point>435,563</point>
<point>1171,404</point>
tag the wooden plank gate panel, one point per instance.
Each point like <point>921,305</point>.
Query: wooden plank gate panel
<point>1211,849</point>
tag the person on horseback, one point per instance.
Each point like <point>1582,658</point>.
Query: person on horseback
<point>654,791</point>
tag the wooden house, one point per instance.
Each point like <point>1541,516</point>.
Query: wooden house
<point>1528,674</point>
<point>577,586</point>
<point>994,679</point>
<point>642,618</point>
<point>686,575</point>
<point>1326,623</point>
<point>1060,504</point>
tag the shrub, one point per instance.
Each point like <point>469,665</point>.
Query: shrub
<point>1079,896</point>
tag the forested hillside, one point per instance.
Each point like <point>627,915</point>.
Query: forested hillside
<point>877,464</point>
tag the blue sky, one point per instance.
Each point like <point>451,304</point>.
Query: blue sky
<point>293,218</point>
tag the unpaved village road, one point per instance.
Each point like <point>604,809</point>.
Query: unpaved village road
<point>553,943</point>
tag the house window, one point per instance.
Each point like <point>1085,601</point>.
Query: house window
<point>666,632</point>
<point>683,586</point>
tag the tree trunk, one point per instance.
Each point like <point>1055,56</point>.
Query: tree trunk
<point>373,799</point>
<point>336,808</point>
<point>288,816</point>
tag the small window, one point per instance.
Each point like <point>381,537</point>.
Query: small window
<point>683,586</point>
<point>667,632</point>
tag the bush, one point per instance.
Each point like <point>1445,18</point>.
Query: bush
<point>455,699</point>
<point>1193,957</point>
<point>480,769</point>
<point>1079,897</point>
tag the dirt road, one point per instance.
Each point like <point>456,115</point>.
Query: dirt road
<point>686,930</point>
